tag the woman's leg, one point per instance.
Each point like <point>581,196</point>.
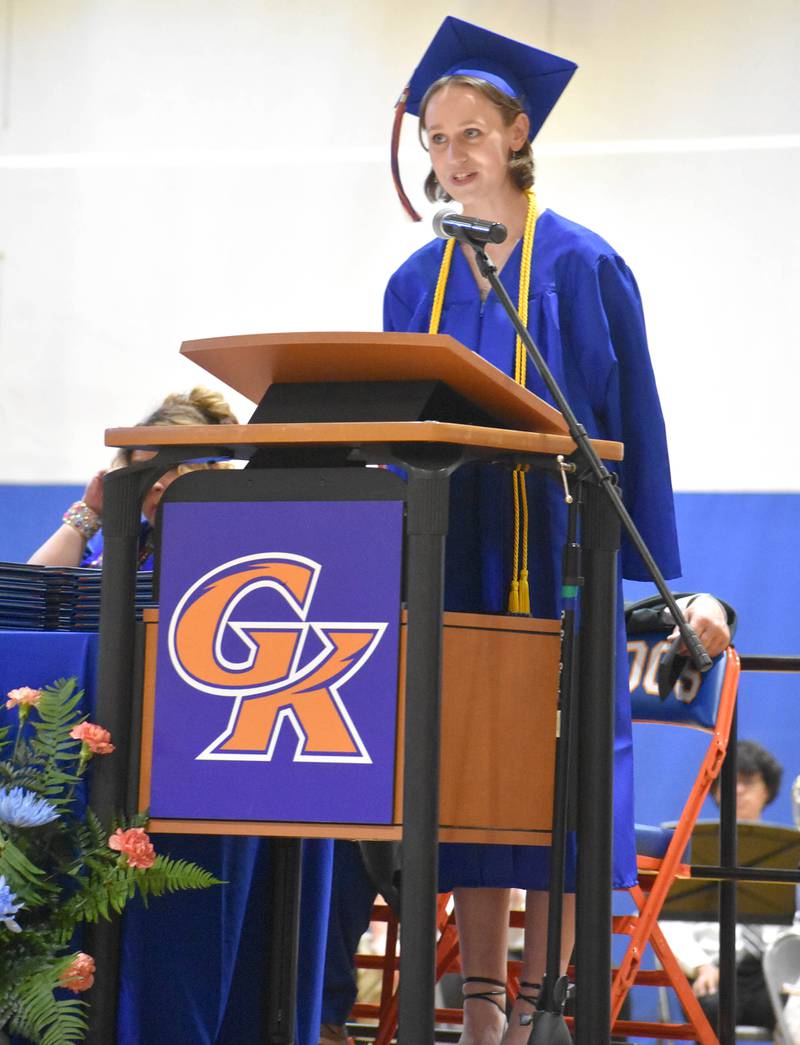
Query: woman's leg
<point>534,958</point>
<point>482,920</point>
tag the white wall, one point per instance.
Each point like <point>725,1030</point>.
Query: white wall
<point>164,165</point>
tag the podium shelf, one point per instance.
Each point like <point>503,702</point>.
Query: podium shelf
<point>354,434</point>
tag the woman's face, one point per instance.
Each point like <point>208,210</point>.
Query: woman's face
<point>154,494</point>
<point>469,143</point>
<point>752,794</point>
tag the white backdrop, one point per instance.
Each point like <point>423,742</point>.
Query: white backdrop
<point>173,169</point>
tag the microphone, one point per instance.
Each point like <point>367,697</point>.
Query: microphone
<point>449,224</point>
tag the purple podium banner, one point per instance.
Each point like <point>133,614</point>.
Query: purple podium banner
<point>277,668</point>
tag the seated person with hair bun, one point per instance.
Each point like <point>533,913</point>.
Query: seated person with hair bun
<point>79,540</point>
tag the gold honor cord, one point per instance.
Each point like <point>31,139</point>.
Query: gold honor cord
<point>519,599</point>
<point>441,285</point>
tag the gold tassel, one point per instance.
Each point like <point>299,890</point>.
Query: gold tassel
<point>524,593</point>
<point>513,597</point>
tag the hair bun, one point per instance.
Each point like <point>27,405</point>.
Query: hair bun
<point>212,405</point>
<point>200,407</point>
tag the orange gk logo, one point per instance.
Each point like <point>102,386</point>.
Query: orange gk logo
<point>270,682</point>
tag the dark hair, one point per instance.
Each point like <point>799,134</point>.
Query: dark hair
<point>754,760</point>
<point>520,166</point>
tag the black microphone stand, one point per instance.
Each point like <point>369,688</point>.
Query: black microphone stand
<point>548,1024</point>
<point>588,454</point>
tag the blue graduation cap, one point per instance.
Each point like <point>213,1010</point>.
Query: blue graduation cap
<point>535,78</point>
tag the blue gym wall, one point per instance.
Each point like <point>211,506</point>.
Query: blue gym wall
<point>740,546</point>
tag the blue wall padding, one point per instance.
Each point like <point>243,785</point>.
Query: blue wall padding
<point>29,514</point>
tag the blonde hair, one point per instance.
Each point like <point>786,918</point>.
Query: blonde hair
<point>201,406</point>
<point>520,165</point>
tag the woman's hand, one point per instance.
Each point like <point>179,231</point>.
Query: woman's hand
<point>707,981</point>
<point>708,619</point>
<point>66,545</point>
<point>93,494</point>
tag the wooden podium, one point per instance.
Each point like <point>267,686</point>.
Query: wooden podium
<point>487,790</point>
<point>329,404</point>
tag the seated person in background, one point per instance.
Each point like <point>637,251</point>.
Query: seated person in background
<point>78,541</point>
<point>696,944</point>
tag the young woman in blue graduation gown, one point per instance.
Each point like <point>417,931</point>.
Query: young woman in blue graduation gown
<point>585,314</point>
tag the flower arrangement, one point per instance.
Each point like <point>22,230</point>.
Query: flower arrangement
<point>60,866</point>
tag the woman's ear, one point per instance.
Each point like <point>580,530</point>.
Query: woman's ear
<point>151,499</point>
<point>519,131</point>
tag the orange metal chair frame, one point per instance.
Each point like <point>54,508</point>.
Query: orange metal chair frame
<point>655,879</point>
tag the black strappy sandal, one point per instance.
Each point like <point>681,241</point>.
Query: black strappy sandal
<point>532,999</point>
<point>490,995</point>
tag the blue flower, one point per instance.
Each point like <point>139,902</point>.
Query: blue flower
<point>22,808</point>
<point>7,906</point>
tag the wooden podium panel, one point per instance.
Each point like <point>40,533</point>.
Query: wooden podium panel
<point>500,679</point>
<point>499,697</point>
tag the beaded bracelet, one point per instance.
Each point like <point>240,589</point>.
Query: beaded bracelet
<point>82,518</point>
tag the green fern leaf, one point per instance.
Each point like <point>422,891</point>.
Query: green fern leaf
<point>41,1017</point>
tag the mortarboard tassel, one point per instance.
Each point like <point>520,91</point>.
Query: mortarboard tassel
<point>399,110</point>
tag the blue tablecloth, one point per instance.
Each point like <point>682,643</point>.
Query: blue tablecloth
<point>193,964</point>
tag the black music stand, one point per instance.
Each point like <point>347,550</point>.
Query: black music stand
<point>759,844</point>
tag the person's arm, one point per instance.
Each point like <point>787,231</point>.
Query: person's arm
<point>67,545</point>
<point>694,944</point>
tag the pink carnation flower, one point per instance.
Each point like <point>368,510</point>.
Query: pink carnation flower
<point>79,976</point>
<point>97,739</point>
<point>23,695</point>
<point>135,844</point>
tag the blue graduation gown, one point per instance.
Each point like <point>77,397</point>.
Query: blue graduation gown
<point>585,315</point>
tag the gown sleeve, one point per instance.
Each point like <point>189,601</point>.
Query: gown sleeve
<point>396,314</point>
<point>93,550</point>
<point>607,325</point>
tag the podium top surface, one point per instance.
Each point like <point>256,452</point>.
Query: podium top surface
<point>250,363</point>
<point>353,434</point>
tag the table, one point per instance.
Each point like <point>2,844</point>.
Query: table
<point>192,963</point>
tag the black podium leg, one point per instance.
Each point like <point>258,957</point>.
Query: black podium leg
<point>283,919</point>
<point>109,776</point>
<point>426,528</point>
<point>595,772</point>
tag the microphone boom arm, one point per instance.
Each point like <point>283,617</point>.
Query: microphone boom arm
<point>697,653</point>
